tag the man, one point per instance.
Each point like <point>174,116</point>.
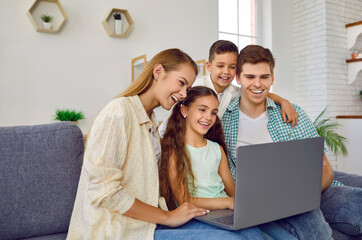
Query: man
<point>253,118</point>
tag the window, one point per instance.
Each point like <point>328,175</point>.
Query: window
<point>237,22</point>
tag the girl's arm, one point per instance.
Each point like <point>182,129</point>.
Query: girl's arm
<point>288,111</point>
<point>207,203</point>
<point>225,175</point>
<point>175,218</point>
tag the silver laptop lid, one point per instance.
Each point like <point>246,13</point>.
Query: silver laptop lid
<point>277,180</point>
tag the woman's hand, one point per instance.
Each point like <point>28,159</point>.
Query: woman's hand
<point>288,112</point>
<point>184,213</point>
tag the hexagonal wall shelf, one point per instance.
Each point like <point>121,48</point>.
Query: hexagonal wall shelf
<point>109,23</point>
<point>47,7</point>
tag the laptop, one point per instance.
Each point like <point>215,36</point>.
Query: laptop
<point>273,181</point>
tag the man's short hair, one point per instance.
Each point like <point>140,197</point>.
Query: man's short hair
<point>255,54</point>
<point>222,46</point>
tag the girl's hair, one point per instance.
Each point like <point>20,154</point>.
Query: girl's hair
<point>170,59</point>
<point>173,145</point>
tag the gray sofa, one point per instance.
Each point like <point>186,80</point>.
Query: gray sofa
<point>39,172</point>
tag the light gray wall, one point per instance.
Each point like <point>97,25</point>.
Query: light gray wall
<point>277,35</point>
<point>81,67</point>
<point>320,57</point>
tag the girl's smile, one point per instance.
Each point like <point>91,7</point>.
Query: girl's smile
<point>201,115</point>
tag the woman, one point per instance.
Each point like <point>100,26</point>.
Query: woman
<point>118,192</point>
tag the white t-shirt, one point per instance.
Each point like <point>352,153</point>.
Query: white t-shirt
<point>253,130</point>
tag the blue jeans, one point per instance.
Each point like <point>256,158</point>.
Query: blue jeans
<point>272,230</point>
<point>342,208</point>
<point>309,226</point>
<point>199,230</point>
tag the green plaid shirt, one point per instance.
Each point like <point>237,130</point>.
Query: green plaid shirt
<point>279,131</point>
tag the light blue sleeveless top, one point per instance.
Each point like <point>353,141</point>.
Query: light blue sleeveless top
<point>205,163</point>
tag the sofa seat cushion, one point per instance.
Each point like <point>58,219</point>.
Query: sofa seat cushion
<point>352,180</point>
<point>39,173</point>
<point>58,236</point>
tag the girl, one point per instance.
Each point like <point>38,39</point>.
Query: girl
<point>194,166</point>
<point>118,193</point>
<point>194,140</point>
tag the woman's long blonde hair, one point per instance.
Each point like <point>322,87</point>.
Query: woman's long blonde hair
<point>170,59</point>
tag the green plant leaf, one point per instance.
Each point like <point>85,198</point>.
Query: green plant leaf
<point>326,128</point>
<point>68,115</point>
<point>46,18</point>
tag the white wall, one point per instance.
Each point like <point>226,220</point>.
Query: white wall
<point>321,53</point>
<point>81,67</point>
<point>278,29</point>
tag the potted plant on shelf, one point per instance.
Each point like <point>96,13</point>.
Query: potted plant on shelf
<point>117,23</point>
<point>68,115</point>
<point>326,128</point>
<point>46,21</point>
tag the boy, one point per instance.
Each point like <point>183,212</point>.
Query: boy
<point>222,62</point>
<point>253,119</point>
<point>223,56</point>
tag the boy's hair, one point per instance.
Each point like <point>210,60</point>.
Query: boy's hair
<point>222,46</point>
<point>255,54</point>
<point>173,146</point>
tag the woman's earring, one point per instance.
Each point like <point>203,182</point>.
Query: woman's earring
<point>184,116</point>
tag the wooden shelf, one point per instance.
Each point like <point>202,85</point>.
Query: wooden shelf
<point>354,60</point>
<point>354,30</point>
<point>349,116</point>
<point>353,24</point>
<point>108,22</point>
<point>49,7</point>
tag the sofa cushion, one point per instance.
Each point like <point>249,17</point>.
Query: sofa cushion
<point>39,173</point>
<point>58,236</point>
<point>352,180</point>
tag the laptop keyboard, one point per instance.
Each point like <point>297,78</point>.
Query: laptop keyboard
<point>227,220</point>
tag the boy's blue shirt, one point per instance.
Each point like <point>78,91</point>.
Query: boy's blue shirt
<point>279,131</point>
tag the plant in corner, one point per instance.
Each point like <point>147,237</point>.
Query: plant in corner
<point>68,115</point>
<point>326,128</point>
<point>46,21</point>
